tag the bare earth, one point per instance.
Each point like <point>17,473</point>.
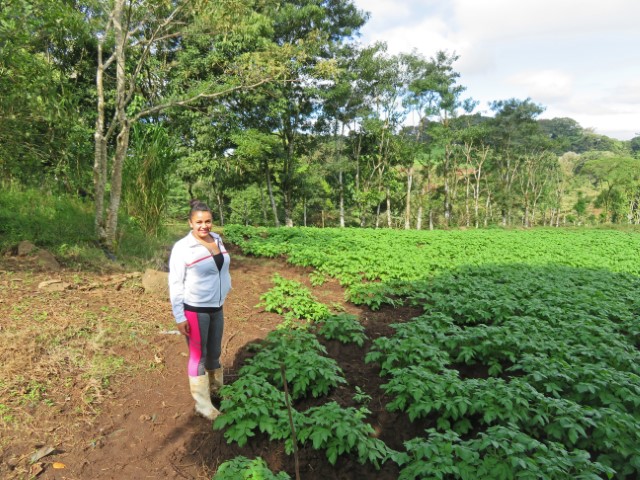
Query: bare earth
<point>141,425</point>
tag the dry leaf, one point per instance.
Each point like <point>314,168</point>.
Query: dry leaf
<point>36,469</point>
<point>58,465</point>
<point>42,452</point>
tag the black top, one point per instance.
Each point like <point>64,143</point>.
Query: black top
<point>219,259</point>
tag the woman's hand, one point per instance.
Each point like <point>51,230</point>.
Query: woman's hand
<point>183,328</point>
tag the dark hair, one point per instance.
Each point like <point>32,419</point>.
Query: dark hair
<point>198,206</point>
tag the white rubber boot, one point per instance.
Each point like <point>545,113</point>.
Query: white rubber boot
<point>216,381</point>
<point>200,392</point>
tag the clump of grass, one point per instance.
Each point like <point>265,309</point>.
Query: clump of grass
<point>64,225</point>
<point>45,219</point>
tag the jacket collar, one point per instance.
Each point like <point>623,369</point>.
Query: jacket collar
<point>192,241</point>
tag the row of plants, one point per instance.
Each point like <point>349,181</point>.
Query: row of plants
<point>288,367</point>
<point>535,351</point>
<point>378,266</point>
<point>526,360</point>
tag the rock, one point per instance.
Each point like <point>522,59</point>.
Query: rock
<point>55,285</point>
<point>47,261</point>
<point>155,281</point>
<point>25,247</point>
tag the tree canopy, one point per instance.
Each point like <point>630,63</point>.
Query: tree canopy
<point>274,113</point>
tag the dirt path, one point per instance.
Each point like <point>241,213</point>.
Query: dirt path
<point>146,428</point>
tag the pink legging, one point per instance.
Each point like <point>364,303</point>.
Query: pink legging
<point>204,341</point>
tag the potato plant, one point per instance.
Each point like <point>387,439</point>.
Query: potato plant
<point>256,401</point>
<point>308,370</point>
<point>526,358</point>
<point>243,468</point>
<point>343,327</point>
<point>294,301</point>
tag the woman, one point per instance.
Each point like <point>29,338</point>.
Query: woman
<point>199,281</point>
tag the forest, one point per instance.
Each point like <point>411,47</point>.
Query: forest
<point>274,113</point>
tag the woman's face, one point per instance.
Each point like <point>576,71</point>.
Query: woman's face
<point>200,224</point>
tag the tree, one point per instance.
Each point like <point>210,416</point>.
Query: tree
<point>256,147</point>
<point>565,133</point>
<point>512,128</point>
<point>634,144</point>
<point>44,90</point>
<point>475,152</point>
<point>537,169</point>
<point>444,102</point>
<point>321,26</point>
<point>619,178</point>
<point>144,42</point>
<point>341,105</point>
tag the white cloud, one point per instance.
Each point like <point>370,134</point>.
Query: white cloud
<point>580,59</point>
<point>503,19</point>
<point>543,85</point>
<point>625,94</point>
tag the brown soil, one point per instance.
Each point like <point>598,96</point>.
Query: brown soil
<point>142,425</point>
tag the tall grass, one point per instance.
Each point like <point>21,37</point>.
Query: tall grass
<point>48,220</point>
<point>64,225</point>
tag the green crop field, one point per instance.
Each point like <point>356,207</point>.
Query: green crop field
<point>526,355</point>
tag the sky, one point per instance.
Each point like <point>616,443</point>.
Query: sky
<point>577,58</point>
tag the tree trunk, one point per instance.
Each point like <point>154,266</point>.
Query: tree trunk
<point>423,192</point>
<point>220,208</point>
<point>341,199</point>
<point>263,205</point>
<point>388,195</point>
<point>304,211</point>
<point>466,201</point>
<point>272,199</point>
<point>357,180</point>
<point>407,210</point>
<point>288,210</point>
<point>122,144</point>
<point>286,184</point>
<point>100,152</point>
<point>446,173</point>
<point>122,141</point>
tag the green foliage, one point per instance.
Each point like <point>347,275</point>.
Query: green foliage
<point>47,220</point>
<point>292,300</point>
<point>338,431</point>
<point>343,327</point>
<point>378,266</point>
<point>255,402</point>
<point>64,225</point>
<point>499,453</point>
<point>555,351</point>
<point>146,176</point>
<point>307,370</point>
<point>45,131</point>
<point>242,468</point>
<point>526,356</point>
<point>245,206</point>
<point>252,404</point>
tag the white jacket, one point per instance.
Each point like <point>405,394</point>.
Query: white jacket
<point>194,278</point>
